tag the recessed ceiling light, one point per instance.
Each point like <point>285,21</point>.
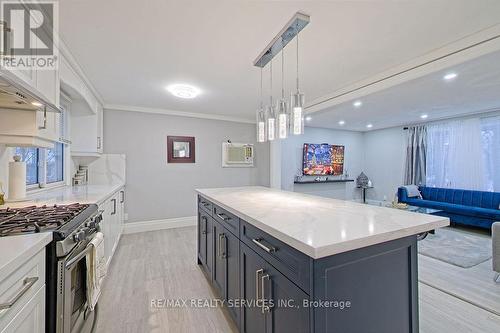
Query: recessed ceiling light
<point>450,76</point>
<point>341,123</point>
<point>183,90</point>
<point>36,103</point>
<point>369,126</point>
<point>424,116</point>
<point>308,118</point>
<point>357,104</point>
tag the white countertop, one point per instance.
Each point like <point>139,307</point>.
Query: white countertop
<point>68,194</point>
<point>15,250</point>
<point>318,226</point>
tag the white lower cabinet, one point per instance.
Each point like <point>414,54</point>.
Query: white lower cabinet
<point>24,292</point>
<point>31,318</point>
<point>112,223</point>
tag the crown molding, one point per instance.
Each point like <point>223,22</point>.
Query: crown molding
<point>131,108</point>
<point>66,53</point>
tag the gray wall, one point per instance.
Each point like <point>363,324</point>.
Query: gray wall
<point>384,158</point>
<point>291,161</point>
<point>157,190</point>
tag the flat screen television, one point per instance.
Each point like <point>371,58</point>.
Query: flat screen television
<point>323,159</point>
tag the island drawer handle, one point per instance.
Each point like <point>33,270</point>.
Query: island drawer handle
<point>223,216</point>
<point>258,241</point>
<point>27,283</point>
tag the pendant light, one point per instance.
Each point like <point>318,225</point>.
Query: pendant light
<point>281,105</point>
<point>271,111</point>
<point>261,117</point>
<point>297,104</point>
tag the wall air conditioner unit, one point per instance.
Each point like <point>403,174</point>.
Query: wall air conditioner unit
<point>237,155</point>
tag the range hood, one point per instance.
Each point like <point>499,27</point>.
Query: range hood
<point>15,95</point>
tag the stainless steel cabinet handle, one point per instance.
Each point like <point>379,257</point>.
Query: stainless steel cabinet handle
<point>114,206</point>
<point>123,196</point>
<point>219,250</point>
<point>27,283</point>
<point>265,307</point>
<point>223,216</point>
<point>44,120</point>
<point>224,246</point>
<point>257,278</point>
<point>98,142</point>
<point>205,220</point>
<point>258,241</point>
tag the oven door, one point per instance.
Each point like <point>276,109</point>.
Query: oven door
<point>73,312</point>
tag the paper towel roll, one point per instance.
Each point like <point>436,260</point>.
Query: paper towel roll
<point>17,180</point>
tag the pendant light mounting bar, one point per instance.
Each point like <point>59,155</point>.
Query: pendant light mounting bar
<point>289,31</point>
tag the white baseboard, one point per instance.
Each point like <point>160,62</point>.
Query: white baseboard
<point>143,226</point>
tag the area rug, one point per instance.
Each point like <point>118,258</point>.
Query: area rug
<point>456,247</point>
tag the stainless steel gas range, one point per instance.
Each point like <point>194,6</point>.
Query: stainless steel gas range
<point>73,227</point>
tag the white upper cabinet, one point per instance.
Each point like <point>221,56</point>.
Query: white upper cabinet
<point>86,115</point>
<point>86,130</point>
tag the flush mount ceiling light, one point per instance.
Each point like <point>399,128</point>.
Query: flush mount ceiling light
<point>357,104</point>
<point>369,126</point>
<point>341,123</point>
<point>182,90</point>
<point>424,116</point>
<point>450,76</point>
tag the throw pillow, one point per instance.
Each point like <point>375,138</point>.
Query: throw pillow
<point>413,191</point>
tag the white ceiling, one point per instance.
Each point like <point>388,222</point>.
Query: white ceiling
<point>132,49</point>
<point>475,89</point>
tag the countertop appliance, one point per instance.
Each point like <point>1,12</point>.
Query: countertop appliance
<point>73,227</point>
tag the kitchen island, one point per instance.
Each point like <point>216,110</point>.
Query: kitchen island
<point>290,262</point>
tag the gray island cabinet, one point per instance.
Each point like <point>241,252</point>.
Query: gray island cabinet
<point>289,262</point>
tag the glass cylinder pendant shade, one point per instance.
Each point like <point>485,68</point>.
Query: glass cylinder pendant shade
<point>297,113</point>
<point>283,119</point>
<point>261,125</point>
<point>271,123</point>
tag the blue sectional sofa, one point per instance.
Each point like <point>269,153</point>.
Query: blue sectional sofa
<point>474,208</point>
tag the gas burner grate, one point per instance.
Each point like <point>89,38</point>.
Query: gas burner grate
<point>33,219</point>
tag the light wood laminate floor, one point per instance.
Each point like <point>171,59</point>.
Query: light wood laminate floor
<point>162,265</point>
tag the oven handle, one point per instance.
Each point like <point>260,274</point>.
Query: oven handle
<point>79,256</point>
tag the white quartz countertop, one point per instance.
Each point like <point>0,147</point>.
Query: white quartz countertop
<point>68,195</point>
<point>318,226</point>
<point>15,250</point>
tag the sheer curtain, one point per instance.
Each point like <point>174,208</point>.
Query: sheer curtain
<point>490,134</point>
<point>455,155</point>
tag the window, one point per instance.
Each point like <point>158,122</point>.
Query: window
<point>43,165</point>
<point>464,154</point>
<point>54,163</point>
<point>30,156</point>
